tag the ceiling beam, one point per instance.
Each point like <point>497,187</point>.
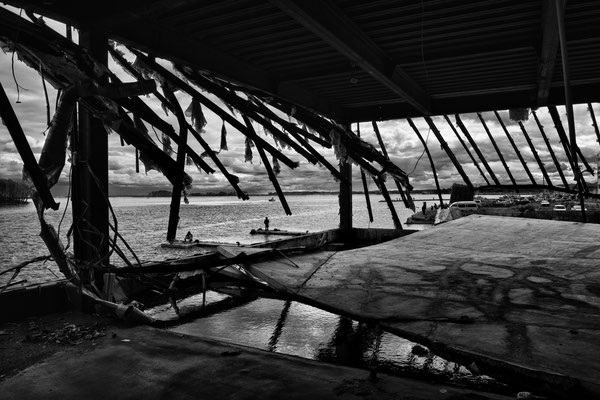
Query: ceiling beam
<point>548,50</point>
<point>460,103</point>
<point>170,44</point>
<point>329,23</point>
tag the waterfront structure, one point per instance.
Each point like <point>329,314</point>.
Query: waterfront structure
<point>325,64</point>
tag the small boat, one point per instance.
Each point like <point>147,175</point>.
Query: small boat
<point>272,199</point>
<point>180,244</point>
<point>261,231</point>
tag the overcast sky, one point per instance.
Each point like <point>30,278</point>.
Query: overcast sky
<point>402,145</point>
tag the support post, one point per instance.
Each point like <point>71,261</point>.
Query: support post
<point>594,123</point>
<point>552,154</point>
<point>270,172</point>
<point>566,142</point>
<point>560,11</point>
<point>515,148</point>
<point>345,198</point>
<point>363,177</point>
<point>31,165</point>
<point>381,185</point>
<point>437,183</point>
<point>535,155</point>
<point>465,132</point>
<point>487,130</point>
<point>90,178</point>
<point>181,158</point>
<point>464,145</point>
<point>408,202</point>
<point>449,152</point>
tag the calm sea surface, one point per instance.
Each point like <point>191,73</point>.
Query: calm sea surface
<point>143,223</point>
<point>273,325</point>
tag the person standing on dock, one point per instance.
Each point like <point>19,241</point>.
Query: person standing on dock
<point>267,223</point>
<point>424,208</point>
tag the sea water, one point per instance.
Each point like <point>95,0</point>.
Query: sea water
<point>142,222</point>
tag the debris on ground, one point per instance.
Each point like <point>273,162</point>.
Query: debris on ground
<point>70,334</point>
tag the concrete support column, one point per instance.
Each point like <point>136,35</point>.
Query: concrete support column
<point>90,177</point>
<point>345,198</point>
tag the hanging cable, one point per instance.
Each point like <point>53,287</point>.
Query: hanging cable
<point>421,156</point>
<point>66,205</point>
<point>12,65</point>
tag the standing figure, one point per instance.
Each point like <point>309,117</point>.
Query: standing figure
<point>424,209</point>
<point>267,223</point>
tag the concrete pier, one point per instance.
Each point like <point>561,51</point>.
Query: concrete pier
<point>518,299</point>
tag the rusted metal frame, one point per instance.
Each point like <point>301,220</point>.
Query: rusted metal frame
<point>437,183</point>
<point>594,123</point>
<point>167,165</point>
<point>362,153</point>
<point>215,108</point>
<point>270,172</point>
<point>181,158</point>
<point>487,130</point>
<point>357,150</point>
<point>303,142</point>
<point>31,166</point>
<point>289,126</point>
<point>363,178</point>
<point>569,150</point>
<point>535,155</point>
<point>318,124</point>
<point>581,185</point>
<point>408,201</point>
<point>514,146</point>
<point>278,104</point>
<point>381,185</point>
<point>135,108</point>
<point>245,107</point>
<point>227,92</point>
<point>551,150</point>
<point>449,152</point>
<point>465,132</point>
<point>572,155</point>
<point>464,145</point>
<point>232,179</point>
<point>141,110</point>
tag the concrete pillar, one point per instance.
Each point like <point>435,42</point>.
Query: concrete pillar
<point>345,198</point>
<point>90,177</point>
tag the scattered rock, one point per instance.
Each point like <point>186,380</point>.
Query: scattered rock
<point>70,334</point>
<point>419,350</point>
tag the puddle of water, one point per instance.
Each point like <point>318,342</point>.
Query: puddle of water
<point>301,330</point>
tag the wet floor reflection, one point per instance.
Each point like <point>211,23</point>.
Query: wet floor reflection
<point>297,329</point>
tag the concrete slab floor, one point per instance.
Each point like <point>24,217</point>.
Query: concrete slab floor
<point>88,357</point>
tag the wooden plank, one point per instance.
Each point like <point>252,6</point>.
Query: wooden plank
<point>520,300</point>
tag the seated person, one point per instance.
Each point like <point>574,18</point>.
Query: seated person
<point>189,237</point>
